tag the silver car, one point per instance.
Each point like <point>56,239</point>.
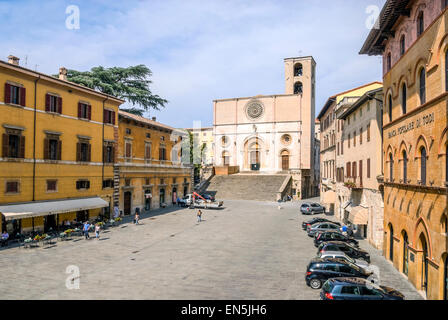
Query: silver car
<point>320,227</point>
<point>341,255</point>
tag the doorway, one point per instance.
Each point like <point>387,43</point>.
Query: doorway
<point>127,203</point>
<point>50,223</point>
<point>424,274</point>
<point>162,196</point>
<point>13,227</point>
<point>255,160</point>
<point>148,198</point>
<point>405,253</point>
<point>285,162</point>
<point>174,195</point>
<point>391,243</point>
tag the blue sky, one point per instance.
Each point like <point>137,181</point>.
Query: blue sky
<point>198,50</point>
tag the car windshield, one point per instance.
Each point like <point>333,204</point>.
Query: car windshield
<point>315,205</point>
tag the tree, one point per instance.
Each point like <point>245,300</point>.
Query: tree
<point>130,84</point>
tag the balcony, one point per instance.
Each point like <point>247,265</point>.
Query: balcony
<point>353,183</point>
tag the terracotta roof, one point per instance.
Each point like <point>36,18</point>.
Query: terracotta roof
<point>54,79</point>
<point>333,98</point>
<point>145,120</point>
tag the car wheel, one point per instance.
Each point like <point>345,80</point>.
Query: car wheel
<point>315,284</point>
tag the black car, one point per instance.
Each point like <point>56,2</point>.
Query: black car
<point>320,270</point>
<point>357,289</point>
<point>333,236</point>
<point>311,208</point>
<point>305,224</point>
<point>348,249</point>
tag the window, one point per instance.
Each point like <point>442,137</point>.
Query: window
<point>148,135</point>
<point>348,140</point>
<point>298,70</point>
<point>368,168</point>
<point>52,185</point>
<point>53,103</point>
<point>108,183</point>
<point>109,153</point>
<point>298,88</point>
<point>423,166</point>
<point>12,187</point>
<point>147,151</point>
<point>402,45</point>
<point>128,149</point>
<point>354,170</point>
<point>127,182</point>
<point>391,167</point>
<point>147,181</point>
<point>162,153</point>
<point>390,107</point>
<point>162,181</point>
<point>403,98</point>
<point>128,131</point>
<point>162,138</point>
<point>405,167</point>
<point>82,184</point>
<point>84,111</point>
<point>352,290</point>
<point>360,135</point>
<point>368,132</point>
<point>422,88</point>
<point>109,117</point>
<point>342,145</point>
<point>389,62</point>
<point>354,139</point>
<point>13,144</point>
<point>52,147</point>
<point>444,4</point>
<point>15,94</point>
<point>420,24</point>
<point>83,151</point>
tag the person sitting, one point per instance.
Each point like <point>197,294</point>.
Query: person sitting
<point>5,237</point>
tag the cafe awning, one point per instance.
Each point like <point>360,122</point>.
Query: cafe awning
<point>45,208</point>
<point>359,215</point>
<point>329,197</point>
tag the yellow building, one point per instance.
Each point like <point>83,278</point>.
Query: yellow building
<point>151,172</point>
<point>413,40</point>
<point>57,149</point>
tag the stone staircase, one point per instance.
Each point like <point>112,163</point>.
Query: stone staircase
<point>246,187</point>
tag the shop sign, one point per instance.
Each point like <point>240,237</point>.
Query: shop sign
<point>418,123</point>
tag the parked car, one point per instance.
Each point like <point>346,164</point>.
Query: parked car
<point>348,249</point>
<point>320,270</point>
<point>305,224</point>
<point>323,226</point>
<point>333,236</point>
<point>311,208</point>
<point>357,289</point>
<point>342,256</point>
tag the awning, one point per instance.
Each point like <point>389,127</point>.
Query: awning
<point>359,215</point>
<point>45,208</point>
<point>329,197</point>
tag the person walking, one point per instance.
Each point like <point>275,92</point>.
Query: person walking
<point>97,231</point>
<point>86,230</point>
<point>137,217</point>
<point>178,201</point>
<point>199,215</point>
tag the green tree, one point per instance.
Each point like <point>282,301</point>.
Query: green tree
<point>131,84</point>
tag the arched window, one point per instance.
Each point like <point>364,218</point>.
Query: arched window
<point>390,107</point>
<point>389,61</point>
<point>420,24</point>
<point>423,165</point>
<point>391,167</point>
<point>298,88</point>
<point>405,167</point>
<point>422,90</point>
<point>298,70</point>
<point>403,98</point>
<point>402,45</point>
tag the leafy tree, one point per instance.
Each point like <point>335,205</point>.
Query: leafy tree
<point>130,84</point>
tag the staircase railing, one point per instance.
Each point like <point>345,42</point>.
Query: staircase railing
<point>285,188</point>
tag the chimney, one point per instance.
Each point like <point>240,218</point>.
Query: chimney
<point>13,60</point>
<point>153,118</point>
<point>63,73</point>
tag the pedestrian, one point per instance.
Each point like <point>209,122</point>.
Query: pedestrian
<point>137,217</point>
<point>116,212</point>
<point>86,229</point>
<point>199,215</point>
<point>178,201</point>
<point>97,231</point>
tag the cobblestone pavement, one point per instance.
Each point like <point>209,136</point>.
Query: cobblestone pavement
<point>249,250</point>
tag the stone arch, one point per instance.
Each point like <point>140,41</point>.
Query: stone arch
<point>419,65</point>
<point>254,146</point>
<point>421,141</point>
<point>420,8</point>
<point>421,227</point>
<point>404,251</point>
<point>443,142</point>
<point>402,80</point>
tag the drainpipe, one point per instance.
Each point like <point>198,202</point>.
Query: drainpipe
<point>34,141</point>
<point>102,152</point>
